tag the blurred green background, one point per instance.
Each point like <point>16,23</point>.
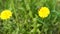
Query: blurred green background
<point>25,19</point>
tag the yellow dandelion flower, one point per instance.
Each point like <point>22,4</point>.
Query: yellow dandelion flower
<point>43,12</point>
<point>6,14</point>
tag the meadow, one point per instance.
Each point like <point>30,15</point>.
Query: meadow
<point>26,20</point>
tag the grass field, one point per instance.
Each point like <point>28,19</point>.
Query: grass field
<point>25,18</point>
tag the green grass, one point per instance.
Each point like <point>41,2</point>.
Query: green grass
<point>25,19</point>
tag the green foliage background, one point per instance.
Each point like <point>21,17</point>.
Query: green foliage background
<point>25,19</point>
